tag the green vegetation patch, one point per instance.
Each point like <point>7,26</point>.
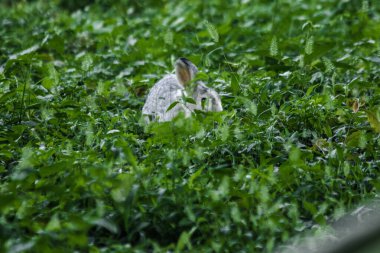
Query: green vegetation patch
<point>295,147</point>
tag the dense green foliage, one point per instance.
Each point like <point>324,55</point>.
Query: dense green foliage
<point>295,147</point>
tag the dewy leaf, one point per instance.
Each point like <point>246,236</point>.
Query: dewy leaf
<point>374,121</point>
<point>212,31</point>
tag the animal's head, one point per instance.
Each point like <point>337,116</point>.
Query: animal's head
<point>185,71</point>
<point>207,99</point>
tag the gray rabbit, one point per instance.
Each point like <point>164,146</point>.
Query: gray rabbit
<point>171,89</point>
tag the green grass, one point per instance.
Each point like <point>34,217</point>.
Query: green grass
<point>298,142</point>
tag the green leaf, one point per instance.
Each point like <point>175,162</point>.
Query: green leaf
<point>184,239</point>
<point>54,224</point>
<point>252,107</point>
<point>107,224</point>
<point>168,37</point>
<point>194,176</point>
<point>87,62</point>
<point>357,139</point>
<point>171,106</point>
<point>235,85</point>
<point>212,31</point>
<point>374,121</point>
<point>295,155</point>
<point>190,100</point>
<point>53,74</point>
<point>224,132</point>
<point>310,207</point>
<point>311,88</point>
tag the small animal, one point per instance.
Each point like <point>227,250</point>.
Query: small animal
<point>172,90</point>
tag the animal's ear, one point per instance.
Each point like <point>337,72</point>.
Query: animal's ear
<point>183,74</point>
<point>185,70</point>
<point>216,104</point>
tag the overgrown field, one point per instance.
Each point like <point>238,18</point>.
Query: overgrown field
<point>296,146</point>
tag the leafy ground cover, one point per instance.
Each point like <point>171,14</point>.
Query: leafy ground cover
<point>295,147</point>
